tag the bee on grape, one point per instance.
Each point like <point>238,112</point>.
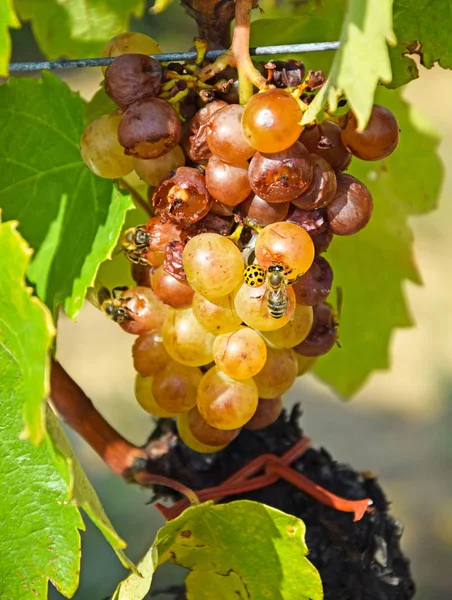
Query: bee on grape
<point>135,243</point>
<point>110,303</point>
<point>276,281</point>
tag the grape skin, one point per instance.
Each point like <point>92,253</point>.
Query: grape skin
<point>170,290</point>
<point>278,374</point>
<point>129,43</point>
<point>227,183</point>
<point>294,332</point>
<point>189,439</point>
<point>378,140</point>
<point>132,77</point>
<point>252,307</point>
<point>240,354</point>
<point>149,354</point>
<point>174,388</point>
<point>154,170</point>
<point>262,212</point>
<point>351,208</point>
<point>266,413</point>
<point>315,285</point>
<point>325,140</point>
<point>185,340</point>
<point>145,398</point>
<point>225,137</point>
<point>323,186</point>
<point>205,433</point>
<point>147,311</point>
<point>217,315</point>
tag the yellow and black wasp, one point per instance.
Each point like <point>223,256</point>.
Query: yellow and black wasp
<point>276,281</point>
<point>111,303</point>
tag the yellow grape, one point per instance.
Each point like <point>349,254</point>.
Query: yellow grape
<point>305,363</point>
<point>217,315</point>
<point>185,340</point>
<point>143,394</point>
<point>213,265</point>
<point>129,43</point>
<point>266,413</point>
<point>205,433</point>
<point>278,374</point>
<point>101,151</point>
<point>153,170</point>
<point>252,307</point>
<point>189,439</point>
<point>287,244</point>
<point>226,403</point>
<point>240,354</point>
<point>174,388</point>
<point>149,354</point>
<point>294,332</point>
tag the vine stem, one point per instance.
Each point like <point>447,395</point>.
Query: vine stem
<point>137,198</point>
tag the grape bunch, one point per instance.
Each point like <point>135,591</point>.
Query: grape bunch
<point>230,304</point>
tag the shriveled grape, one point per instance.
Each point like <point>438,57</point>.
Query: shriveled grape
<point>351,208</point>
<point>207,434</point>
<point>146,310</point>
<point>149,354</point>
<point>217,315</point>
<point>226,403</point>
<point>161,233</point>
<point>129,43</point>
<point>132,77</point>
<point>227,183</point>
<point>378,140</point>
<point>185,340</point>
<point>170,290</point>
<point>174,387</point>
<point>240,354</point>
<point>225,137</point>
<point>266,413</point>
<point>312,221</point>
<point>154,170</point>
<point>323,334</point>
<point>314,286</point>
<point>278,374</point>
<point>322,240</point>
<point>325,140</point>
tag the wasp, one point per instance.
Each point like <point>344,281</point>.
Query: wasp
<point>135,243</point>
<point>276,281</point>
<point>111,303</point>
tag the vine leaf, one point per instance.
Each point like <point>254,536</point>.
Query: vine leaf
<point>361,61</point>
<point>99,105</point>
<point>373,266</point>
<point>71,217</point>
<point>137,585</point>
<point>83,493</point>
<point>421,28</point>
<point>8,18</point>
<point>40,538</point>
<point>76,28</point>
<point>213,541</point>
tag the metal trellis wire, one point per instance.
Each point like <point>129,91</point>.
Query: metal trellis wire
<point>49,65</point>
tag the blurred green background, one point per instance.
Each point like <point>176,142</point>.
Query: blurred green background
<point>398,426</point>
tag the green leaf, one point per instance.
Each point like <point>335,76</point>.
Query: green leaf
<point>39,528</point>
<point>373,266</point>
<point>68,215</point>
<point>8,19</point>
<point>99,105</point>
<point>137,585</point>
<point>26,329</point>
<point>77,28</point>
<point>83,493</point>
<point>361,61</point>
<point>421,28</point>
<point>241,549</point>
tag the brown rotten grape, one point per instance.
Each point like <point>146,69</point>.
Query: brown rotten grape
<point>227,183</point>
<point>351,208</point>
<point>322,241</point>
<point>378,140</point>
<point>170,290</point>
<point>326,141</point>
<point>314,286</point>
<point>160,234</point>
<point>262,212</point>
<point>322,188</point>
<point>129,43</point>
<point>195,140</point>
<point>266,413</point>
<point>132,77</point>
<point>281,176</point>
<point>147,312</point>
<point>183,198</point>
<point>225,137</point>
<point>323,334</point>
<point>149,128</point>
<point>313,221</point>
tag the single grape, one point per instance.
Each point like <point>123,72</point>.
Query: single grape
<point>205,433</point>
<point>149,128</point>
<point>312,221</point>
<point>160,234</point>
<point>262,212</point>
<point>143,394</point>
<point>149,354</point>
<point>225,137</point>
<point>315,285</point>
<point>132,77</point>
<point>174,387</point>
<point>142,274</point>
<point>266,413</point>
<point>154,170</point>
<point>322,240</point>
<point>378,140</point>
<point>240,354</point>
<point>213,265</point>
<point>146,310</point>
<point>189,439</point>
<point>226,403</point>
<point>217,315</point>
<point>271,121</point>
<point>323,334</point>
<point>101,150</point>
<point>323,186</point>
<point>281,176</point>
<point>129,43</point>
<point>170,290</point>
<point>305,363</point>
<point>226,182</point>
<point>252,307</point>
<point>325,140</point>
<point>351,208</point>
<point>287,244</point>
<point>293,333</point>
<point>185,340</point>
<point>195,140</point>
<point>183,198</point>
<point>220,209</point>
<point>278,374</point>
